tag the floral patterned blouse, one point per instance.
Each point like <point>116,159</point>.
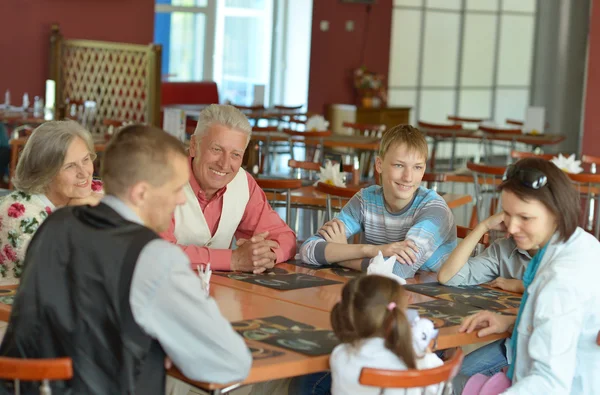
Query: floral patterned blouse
<point>21,215</point>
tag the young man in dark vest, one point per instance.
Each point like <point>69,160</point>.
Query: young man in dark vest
<point>100,286</point>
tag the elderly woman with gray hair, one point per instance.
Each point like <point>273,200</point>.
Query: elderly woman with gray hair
<point>54,170</point>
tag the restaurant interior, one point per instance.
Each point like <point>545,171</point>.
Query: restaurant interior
<point>487,82</point>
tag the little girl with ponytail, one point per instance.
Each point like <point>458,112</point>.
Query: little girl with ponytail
<point>372,326</point>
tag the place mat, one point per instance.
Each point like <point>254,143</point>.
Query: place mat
<point>280,279</point>
<point>484,298</point>
<point>444,312</point>
<point>342,272</point>
<point>7,296</point>
<point>289,334</point>
<point>264,353</point>
<point>333,268</point>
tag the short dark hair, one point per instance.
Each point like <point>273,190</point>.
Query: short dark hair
<point>364,312</point>
<point>558,195</point>
<point>138,153</point>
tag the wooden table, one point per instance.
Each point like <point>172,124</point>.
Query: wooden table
<point>473,134</point>
<point>238,301</point>
<point>309,196</point>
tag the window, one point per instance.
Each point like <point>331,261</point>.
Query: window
<point>227,41</point>
<point>471,58</point>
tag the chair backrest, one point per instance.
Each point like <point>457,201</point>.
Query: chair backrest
<point>249,109</point>
<point>362,129</point>
<point>588,186</point>
<point>265,129</point>
<point>457,119</point>
<point>414,378</point>
<point>495,130</point>
<point>486,180</point>
<point>526,154</point>
<point>288,108</point>
<point>342,194</point>
<point>439,126</point>
<point>43,370</point>
<point>593,161</point>
<point>462,232</point>
<point>281,187</point>
<point>514,122</point>
<point>204,92</point>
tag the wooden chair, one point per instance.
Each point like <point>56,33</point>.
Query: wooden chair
<point>460,120</point>
<point>513,122</point>
<point>313,142</point>
<point>342,195</point>
<point>525,154</point>
<point>280,186</point>
<point>44,370</point>
<point>588,186</point>
<point>485,180</point>
<point>313,168</point>
<point>425,126</point>
<point>270,148</point>
<point>483,243</point>
<point>414,378</point>
<point>592,161</point>
<point>288,108</point>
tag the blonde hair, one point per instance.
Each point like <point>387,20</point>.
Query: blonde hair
<point>403,134</point>
<point>138,153</point>
<point>44,154</point>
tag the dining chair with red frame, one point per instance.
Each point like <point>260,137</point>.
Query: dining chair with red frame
<point>425,127</point>
<point>36,370</point>
<point>485,180</point>
<point>414,378</point>
<point>277,187</point>
<point>343,194</point>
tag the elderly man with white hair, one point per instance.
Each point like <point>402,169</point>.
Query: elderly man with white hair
<point>224,202</point>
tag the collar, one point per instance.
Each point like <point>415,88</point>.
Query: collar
<point>198,192</point>
<point>122,208</point>
<point>46,201</point>
<point>515,249</point>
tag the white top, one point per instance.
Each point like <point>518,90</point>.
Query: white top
<point>556,348</point>
<point>347,361</point>
<point>191,227</point>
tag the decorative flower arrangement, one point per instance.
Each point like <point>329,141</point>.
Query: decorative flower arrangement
<point>316,123</point>
<point>568,165</point>
<point>371,87</point>
<point>330,174</point>
<point>384,267</point>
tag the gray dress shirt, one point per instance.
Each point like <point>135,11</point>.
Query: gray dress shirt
<point>168,303</point>
<point>501,259</point>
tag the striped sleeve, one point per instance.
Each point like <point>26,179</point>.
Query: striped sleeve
<point>433,230</point>
<point>312,251</point>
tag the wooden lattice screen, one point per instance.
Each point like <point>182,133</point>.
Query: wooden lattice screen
<point>123,79</point>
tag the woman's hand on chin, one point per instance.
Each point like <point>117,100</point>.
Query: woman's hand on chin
<point>93,199</point>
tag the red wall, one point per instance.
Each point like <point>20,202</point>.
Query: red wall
<point>25,32</point>
<point>591,122</point>
<point>336,53</point>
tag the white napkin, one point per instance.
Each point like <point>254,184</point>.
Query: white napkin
<point>204,273</point>
<point>331,174</point>
<point>569,165</point>
<point>384,267</point>
<point>316,123</point>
